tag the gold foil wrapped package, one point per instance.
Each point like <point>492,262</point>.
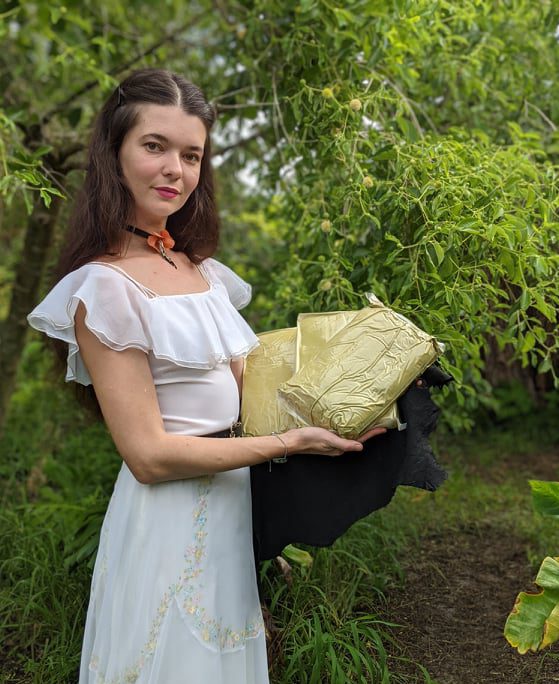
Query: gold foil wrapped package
<point>266,367</point>
<point>275,360</point>
<point>351,381</point>
<point>314,332</point>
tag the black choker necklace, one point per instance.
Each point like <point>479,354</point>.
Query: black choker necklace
<point>158,241</point>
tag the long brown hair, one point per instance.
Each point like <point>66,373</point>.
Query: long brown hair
<point>104,204</point>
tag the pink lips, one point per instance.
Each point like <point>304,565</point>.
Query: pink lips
<point>167,192</point>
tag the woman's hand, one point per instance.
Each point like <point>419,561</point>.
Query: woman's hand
<point>316,440</point>
<point>373,432</point>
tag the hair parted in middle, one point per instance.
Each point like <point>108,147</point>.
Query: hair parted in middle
<point>105,203</point>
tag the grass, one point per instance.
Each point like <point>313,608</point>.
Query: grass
<point>58,470</point>
<point>330,631</point>
<point>348,581</point>
<point>41,603</point>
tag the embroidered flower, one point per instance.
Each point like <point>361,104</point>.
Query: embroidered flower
<point>210,629</point>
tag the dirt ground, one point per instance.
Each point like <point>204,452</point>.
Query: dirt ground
<point>460,586</point>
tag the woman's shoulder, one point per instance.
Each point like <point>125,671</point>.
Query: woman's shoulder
<point>117,271</point>
<point>114,311</point>
<point>174,328</point>
<point>111,304</point>
<point>94,282</point>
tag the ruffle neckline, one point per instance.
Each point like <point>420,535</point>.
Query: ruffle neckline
<point>195,330</point>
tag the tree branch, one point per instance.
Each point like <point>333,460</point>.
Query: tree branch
<point>223,96</point>
<point>549,122</point>
<point>117,70</point>
<point>240,143</point>
<point>244,105</point>
<point>405,99</point>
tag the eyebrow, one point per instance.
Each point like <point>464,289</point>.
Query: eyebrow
<point>163,139</point>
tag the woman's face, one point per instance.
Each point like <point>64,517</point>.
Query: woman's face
<point>160,159</point>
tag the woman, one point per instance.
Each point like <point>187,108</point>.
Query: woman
<point>151,322</point>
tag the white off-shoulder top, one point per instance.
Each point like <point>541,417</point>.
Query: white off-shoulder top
<point>190,339</point>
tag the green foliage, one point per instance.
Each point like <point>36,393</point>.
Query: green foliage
<point>415,156</point>
<point>296,555</point>
<point>406,147</point>
<point>533,623</point>
<point>545,497</point>
<point>352,652</point>
<point>250,243</point>
<point>468,63</point>
<point>42,604</point>
<point>57,470</point>
<point>49,438</point>
<point>22,170</point>
<point>82,545</point>
<point>403,147</point>
<point>327,611</point>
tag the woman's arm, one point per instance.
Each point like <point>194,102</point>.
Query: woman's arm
<point>126,393</point>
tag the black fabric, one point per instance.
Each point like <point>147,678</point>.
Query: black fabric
<point>313,499</point>
<point>137,231</point>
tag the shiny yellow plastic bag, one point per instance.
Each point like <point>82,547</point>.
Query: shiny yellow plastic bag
<point>315,329</point>
<point>349,383</point>
<point>266,367</point>
<point>314,332</point>
<point>279,355</point>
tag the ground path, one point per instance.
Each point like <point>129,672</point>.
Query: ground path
<point>460,586</point>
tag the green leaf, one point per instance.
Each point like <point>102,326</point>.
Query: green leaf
<point>545,497</point>
<point>439,251</point>
<point>45,197</point>
<point>528,343</point>
<point>525,299</point>
<point>408,129</point>
<point>299,556</point>
<point>343,17</point>
<point>545,365</point>
<point>307,5</point>
<point>533,623</point>
<point>543,307</point>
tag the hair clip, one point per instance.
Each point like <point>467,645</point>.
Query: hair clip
<point>120,97</point>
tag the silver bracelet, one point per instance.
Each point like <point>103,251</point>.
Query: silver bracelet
<point>280,459</point>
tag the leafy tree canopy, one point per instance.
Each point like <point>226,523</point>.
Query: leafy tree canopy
<point>408,147</point>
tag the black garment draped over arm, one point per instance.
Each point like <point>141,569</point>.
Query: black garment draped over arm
<point>313,499</point>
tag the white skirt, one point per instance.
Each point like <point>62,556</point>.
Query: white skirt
<point>174,598</point>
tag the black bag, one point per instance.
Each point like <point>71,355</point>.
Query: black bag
<point>313,499</point>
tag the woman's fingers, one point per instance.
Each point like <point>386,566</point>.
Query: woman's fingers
<point>349,445</point>
<point>342,445</point>
<point>321,441</point>
<point>372,433</point>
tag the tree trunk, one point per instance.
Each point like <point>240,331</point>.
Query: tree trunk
<point>501,369</point>
<point>25,290</point>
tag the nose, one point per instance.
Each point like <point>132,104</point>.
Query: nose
<point>172,165</point>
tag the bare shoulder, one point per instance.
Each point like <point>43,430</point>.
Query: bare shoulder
<point>120,259</point>
<point>138,266</point>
